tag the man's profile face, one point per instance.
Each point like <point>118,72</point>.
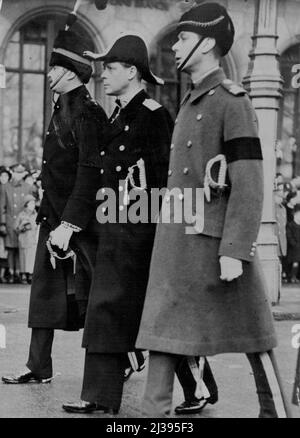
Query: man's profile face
<point>183,47</point>
<point>57,77</point>
<point>116,78</point>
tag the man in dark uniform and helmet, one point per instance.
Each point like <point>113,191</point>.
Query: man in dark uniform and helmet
<point>206,293</point>
<point>70,180</point>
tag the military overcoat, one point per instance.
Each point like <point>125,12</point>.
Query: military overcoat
<point>70,180</point>
<point>188,309</point>
<point>143,130</point>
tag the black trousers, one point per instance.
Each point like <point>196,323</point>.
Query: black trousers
<point>187,372</point>
<point>103,378</point>
<point>39,360</point>
<point>159,388</point>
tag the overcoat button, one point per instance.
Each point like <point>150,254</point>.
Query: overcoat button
<point>252,254</point>
<point>176,121</point>
<point>122,148</point>
<point>199,117</point>
<point>44,218</point>
<point>102,171</point>
<point>189,144</point>
<point>172,146</point>
<point>44,162</point>
<point>48,133</point>
<point>212,92</point>
<point>118,168</point>
<point>126,128</point>
<point>170,172</point>
<point>102,153</point>
<point>185,170</point>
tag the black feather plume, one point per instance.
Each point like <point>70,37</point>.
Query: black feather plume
<point>71,20</point>
<point>101,4</point>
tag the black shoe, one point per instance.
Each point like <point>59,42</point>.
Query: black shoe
<point>83,407</point>
<point>195,406</point>
<point>10,279</point>
<point>23,279</point>
<point>24,378</point>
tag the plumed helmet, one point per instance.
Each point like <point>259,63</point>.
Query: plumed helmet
<point>68,51</point>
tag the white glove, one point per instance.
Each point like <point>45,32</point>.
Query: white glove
<point>61,237</point>
<point>230,268</point>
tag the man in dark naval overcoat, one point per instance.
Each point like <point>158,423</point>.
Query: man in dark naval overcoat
<point>135,159</point>
<point>206,293</point>
<point>70,180</point>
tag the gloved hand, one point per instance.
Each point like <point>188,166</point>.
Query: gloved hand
<point>61,237</point>
<point>230,268</point>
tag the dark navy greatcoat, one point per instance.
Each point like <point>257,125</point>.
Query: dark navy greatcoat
<point>70,180</point>
<point>142,131</point>
<point>188,309</point>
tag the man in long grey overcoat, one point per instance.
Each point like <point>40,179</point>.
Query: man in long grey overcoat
<point>206,294</point>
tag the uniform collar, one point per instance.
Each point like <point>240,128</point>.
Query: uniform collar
<point>126,98</point>
<point>208,83</point>
<point>134,103</point>
<point>70,99</point>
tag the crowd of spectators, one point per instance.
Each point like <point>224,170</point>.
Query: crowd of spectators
<point>20,196</point>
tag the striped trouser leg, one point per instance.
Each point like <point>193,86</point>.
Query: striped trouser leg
<point>268,385</point>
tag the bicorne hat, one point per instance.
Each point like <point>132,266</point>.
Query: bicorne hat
<point>68,51</point>
<point>209,20</point>
<point>131,49</point>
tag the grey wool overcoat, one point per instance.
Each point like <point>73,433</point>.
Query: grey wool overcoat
<point>188,309</point>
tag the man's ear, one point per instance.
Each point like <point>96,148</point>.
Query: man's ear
<point>133,72</point>
<point>70,75</point>
<point>208,44</point>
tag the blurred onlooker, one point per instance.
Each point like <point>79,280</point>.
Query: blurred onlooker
<point>280,212</point>
<point>279,153</point>
<point>289,203</point>
<point>26,229</point>
<point>293,244</point>
<point>11,203</point>
<point>293,149</point>
<point>5,176</point>
<point>29,179</point>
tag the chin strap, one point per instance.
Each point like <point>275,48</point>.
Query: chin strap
<point>183,64</point>
<point>58,79</point>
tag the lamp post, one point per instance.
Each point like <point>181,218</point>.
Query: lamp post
<point>264,84</point>
<point>2,67</point>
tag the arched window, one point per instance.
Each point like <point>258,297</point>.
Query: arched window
<point>176,84</point>
<point>27,100</point>
<point>289,116</point>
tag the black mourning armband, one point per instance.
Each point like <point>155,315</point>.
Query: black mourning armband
<point>243,148</point>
